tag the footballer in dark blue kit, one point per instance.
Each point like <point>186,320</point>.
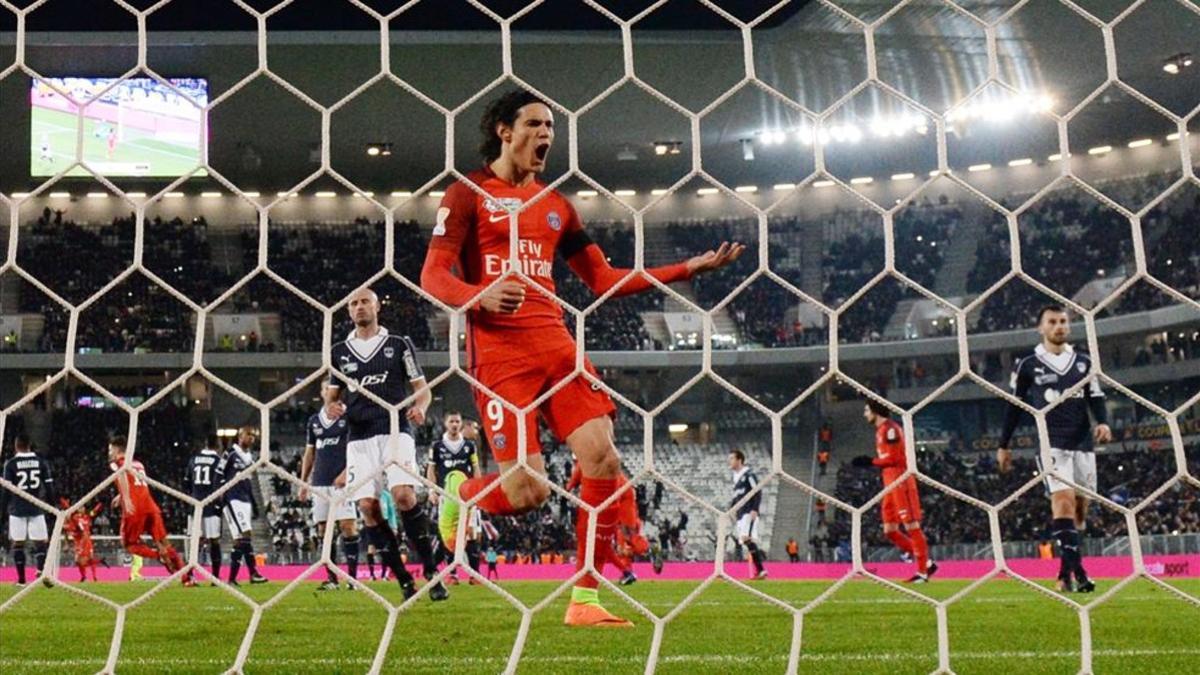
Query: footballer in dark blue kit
<point>200,480</point>
<point>321,467</point>
<point>373,360</point>
<point>26,521</point>
<point>1039,379</point>
<point>239,504</point>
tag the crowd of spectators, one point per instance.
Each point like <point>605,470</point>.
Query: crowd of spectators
<point>1068,239</point>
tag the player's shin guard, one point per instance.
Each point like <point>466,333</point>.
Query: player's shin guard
<point>388,550</point>
<point>247,550</point>
<point>416,527</point>
<point>901,540</point>
<point>18,556</point>
<point>593,491</point>
<point>350,551</point>
<point>1068,547</point>
<point>214,557</point>
<point>235,563</point>
<point>494,502</point>
<point>39,555</point>
<point>473,554</point>
<point>920,548</point>
<point>755,556</point>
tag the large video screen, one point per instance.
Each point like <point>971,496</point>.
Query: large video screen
<point>140,127</point>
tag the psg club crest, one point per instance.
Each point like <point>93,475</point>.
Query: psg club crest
<point>388,352</point>
<point>553,220</point>
<point>499,441</point>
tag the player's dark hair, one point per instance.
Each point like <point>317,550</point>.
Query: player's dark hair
<point>504,111</point>
<point>1052,307</point>
<point>452,413</point>
<point>878,408</point>
<point>119,441</point>
<point>21,442</point>
<point>214,442</point>
<point>741,457</point>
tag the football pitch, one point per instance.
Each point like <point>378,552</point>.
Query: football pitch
<point>1002,627</point>
<point>138,147</point>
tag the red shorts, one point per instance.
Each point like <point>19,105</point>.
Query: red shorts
<point>540,359</point>
<point>903,504</point>
<point>84,549</point>
<point>144,521</point>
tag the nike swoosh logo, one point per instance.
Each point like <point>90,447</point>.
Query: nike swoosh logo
<point>493,219</point>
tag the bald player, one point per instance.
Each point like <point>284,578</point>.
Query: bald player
<point>373,360</point>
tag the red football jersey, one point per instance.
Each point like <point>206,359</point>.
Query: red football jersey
<point>472,235</point>
<point>79,526</point>
<point>889,450</point>
<point>477,229</point>
<point>139,498</point>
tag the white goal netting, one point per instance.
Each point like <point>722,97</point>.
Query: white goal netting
<point>823,126</point>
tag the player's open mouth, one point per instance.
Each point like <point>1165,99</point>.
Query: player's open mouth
<point>541,151</point>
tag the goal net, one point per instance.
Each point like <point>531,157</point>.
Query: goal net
<point>927,143</point>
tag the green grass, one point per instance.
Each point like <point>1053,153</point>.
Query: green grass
<point>165,159</point>
<point>863,628</point>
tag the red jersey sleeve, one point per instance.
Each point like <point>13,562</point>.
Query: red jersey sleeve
<point>455,220</point>
<point>889,446</point>
<point>590,264</point>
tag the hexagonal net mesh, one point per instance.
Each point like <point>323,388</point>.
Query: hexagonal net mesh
<point>822,122</point>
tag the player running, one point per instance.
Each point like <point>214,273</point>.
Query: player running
<point>453,459</point>
<point>323,461</point>
<point>517,344</point>
<point>744,482</point>
<point>26,521</point>
<point>901,506</point>
<point>139,512</point>
<point>239,505</point>
<point>376,361</point>
<point>1039,379</point>
<point>78,527</point>
<point>200,480</point>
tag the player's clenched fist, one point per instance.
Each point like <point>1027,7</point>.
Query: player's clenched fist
<point>1004,460</point>
<point>505,297</point>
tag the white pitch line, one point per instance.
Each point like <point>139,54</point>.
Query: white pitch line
<point>729,659</point>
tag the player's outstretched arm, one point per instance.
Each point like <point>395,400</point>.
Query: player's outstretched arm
<point>590,264</point>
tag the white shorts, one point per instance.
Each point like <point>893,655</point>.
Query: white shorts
<point>321,505</point>
<point>747,528</point>
<point>210,526</point>
<point>27,528</point>
<point>237,517</point>
<point>367,457</point>
<point>1077,466</point>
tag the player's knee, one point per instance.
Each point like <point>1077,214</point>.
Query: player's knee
<point>528,493</point>
<point>405,499</point>
<point>349,529</point>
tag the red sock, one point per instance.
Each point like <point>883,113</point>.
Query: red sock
<point>92,564</point>
<point>920,549</point>
<point>901,541</point>
<point>494,502</point>
<point>594,491</point>
<point>82,572</point>
<point>627,505</point>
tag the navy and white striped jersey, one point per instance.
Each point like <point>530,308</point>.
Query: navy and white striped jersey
<point>234,462</point>
<point>383,365</point>
<point>446,455</point>
<point>328,439</point>
<point>1039,379</point>
<point>201,480</point>
<point>744,481</point>
<point>30,473</point>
